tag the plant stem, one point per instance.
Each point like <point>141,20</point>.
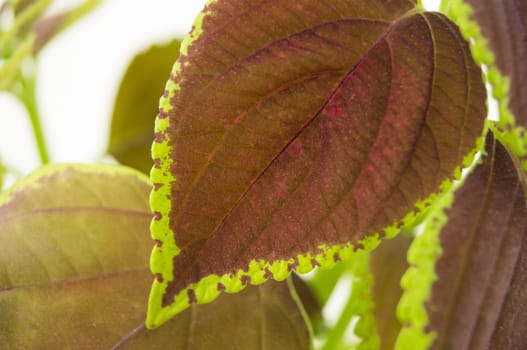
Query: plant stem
<point>26,16</point>
<point>359,304</point>
<point>9,71</point>
<point>335,335</point>
<point>28,98</point>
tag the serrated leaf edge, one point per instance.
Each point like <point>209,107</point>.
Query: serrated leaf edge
<point>363,305</point>
<point>513,135</point>
<point>161,176</point>
<point>422,255</point>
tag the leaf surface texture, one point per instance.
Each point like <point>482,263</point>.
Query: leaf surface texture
<point>504,24</point>
<point>478,299</point>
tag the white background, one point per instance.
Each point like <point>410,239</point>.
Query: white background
<point>79,73</point>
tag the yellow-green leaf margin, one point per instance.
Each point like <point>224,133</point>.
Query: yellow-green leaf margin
<point>422,256</point>
<point>513,135</point>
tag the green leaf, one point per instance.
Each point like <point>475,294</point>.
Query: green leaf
<point>96,199</point>
<point>74,270</point>
<point>478,301</point>
<point>291,134</point>
<point>388,264</point>
<point>262,317</point>
<point>3,172</point>
<point>20,5</point>
<point>136,104</point>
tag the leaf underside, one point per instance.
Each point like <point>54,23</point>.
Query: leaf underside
<point>291,131</point>
<point>73,237</point>
<point>261,317</point>
<point>478,301</point>
<point>74,273</point>
<point>504,24</point>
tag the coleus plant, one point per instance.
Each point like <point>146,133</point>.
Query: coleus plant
<point>292,135</point>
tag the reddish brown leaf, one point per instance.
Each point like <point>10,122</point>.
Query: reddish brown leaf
<point>478,301</point>
<point>46,28</point>
<point>290,127</point>
<point>504,24</point>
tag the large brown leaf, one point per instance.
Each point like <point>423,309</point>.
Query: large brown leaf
<point>504,24</point>
<point>290,131</point>
<point>478,301</point>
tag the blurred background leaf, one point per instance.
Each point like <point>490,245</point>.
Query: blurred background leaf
<point>388,264</point>
<point>24,30</point>
<point>47,27</point>
<point>136,105</point>
<point>3,171</point>
<point>265,317</point>
<point>74,273</point>
<point>73,238</point>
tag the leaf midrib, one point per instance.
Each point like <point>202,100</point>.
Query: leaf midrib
<point>356,65</point>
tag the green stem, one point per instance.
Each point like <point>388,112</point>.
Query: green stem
<point>25,17</point>
<point>10,70</point>
<point>29,99</point>
<point>335,335</point>
<point>3,171</point>
<point>360,305</point>
<point>300,305</point>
